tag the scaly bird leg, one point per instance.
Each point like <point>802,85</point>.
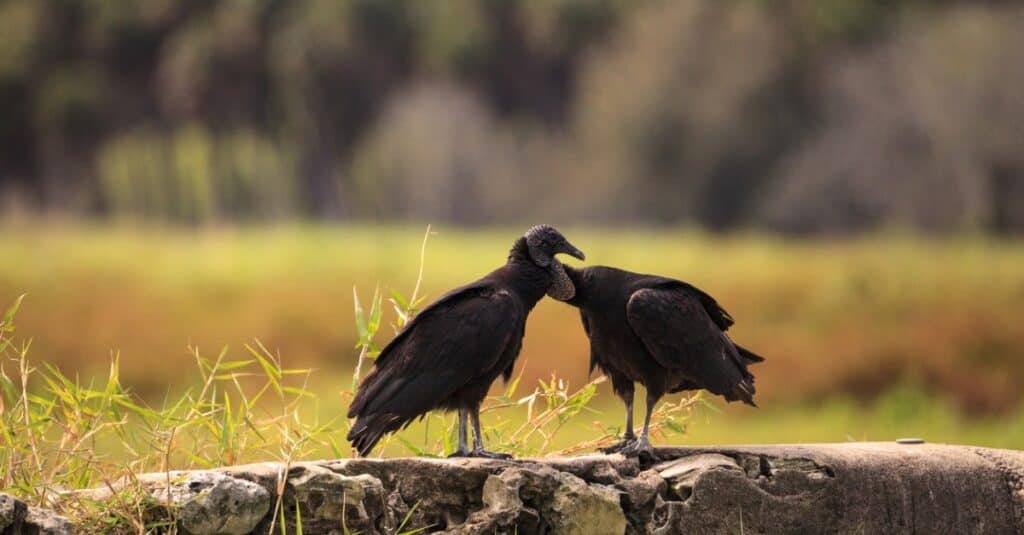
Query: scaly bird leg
<point>642,445</point>
<point>478,441</point>
<point>463,450</point>
<point>628,438</point>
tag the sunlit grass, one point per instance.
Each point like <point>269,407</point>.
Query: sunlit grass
<point>841,322</point>
<point>62,434</point>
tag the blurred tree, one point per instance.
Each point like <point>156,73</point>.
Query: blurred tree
<point>725,113</point>
<point>436,153</point>
<point>676,121</point>
<point>334,64</point>
<point>923,129</point>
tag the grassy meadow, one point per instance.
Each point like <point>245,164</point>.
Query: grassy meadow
<point>872,338</point>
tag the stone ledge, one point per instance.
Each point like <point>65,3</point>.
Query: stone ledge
<point>813,488</point>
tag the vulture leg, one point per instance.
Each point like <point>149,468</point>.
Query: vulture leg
<point>628,437</point>
<point>642,445</point>
<point>463,450</point>
<point>478,440</point>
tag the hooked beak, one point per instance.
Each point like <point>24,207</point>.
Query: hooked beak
<point>572,251</point>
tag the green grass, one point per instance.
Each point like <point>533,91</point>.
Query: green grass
<point>876,338</point>
<point>846,325</point>
<point>62,434</point>
<point>900,413</point>
<point>835,318</point>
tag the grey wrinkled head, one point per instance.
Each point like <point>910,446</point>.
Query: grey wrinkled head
<point>544,242</point>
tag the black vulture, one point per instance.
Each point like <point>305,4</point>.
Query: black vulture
<point>448,355</point>
<point>661,332</point>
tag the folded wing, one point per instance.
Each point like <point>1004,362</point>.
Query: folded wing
<point>454,342</point>
<point>681,334</point>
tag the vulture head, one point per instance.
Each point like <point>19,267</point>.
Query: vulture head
<point>544,242</point>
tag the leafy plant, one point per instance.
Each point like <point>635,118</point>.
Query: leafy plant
<point>368,325</point>
<point>61,434</point>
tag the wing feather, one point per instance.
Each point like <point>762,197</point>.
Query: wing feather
<point>719,315</point>
<point>446,346</point>
<point>680,334</point>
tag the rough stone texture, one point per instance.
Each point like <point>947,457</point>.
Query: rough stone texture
<point>825,488</point>
<point>17,518</point>
<point>212,503</point>
<point>41,521</point>
<point>329,501</point>
<point>519,499</point>
<point>856,487</point>
<point>12,514</point>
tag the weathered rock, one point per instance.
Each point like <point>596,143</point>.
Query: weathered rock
<point>328,500</point>
<point>41,521</point>
<point>12,514</point>
<point>18,518</point>
<point>683,473</point>
<point>440,493</point>
<point>577,508</point>
<point>212,503</point>
<point>539,498</point>
<point>827,488</point>
<point>842,488</point>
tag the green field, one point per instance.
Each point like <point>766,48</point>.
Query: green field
<point>867,339</point>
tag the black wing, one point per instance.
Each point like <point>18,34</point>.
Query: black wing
<point>680,333</point>
<point>593,351</point>
<point>439,303</point>
<point>446,346</point>
<point>719,315</point>
<point>715,311</point>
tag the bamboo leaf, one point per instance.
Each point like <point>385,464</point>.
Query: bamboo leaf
<point>375,313</point>
<point>398,299</point>
<point>7,324</point>
<point>361,328</point>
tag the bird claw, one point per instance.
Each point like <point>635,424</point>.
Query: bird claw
<point>640,447</point>
<point>490,454</point>
<point>481,453</point>
<point>619,446</point>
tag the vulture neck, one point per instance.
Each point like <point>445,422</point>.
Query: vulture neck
<point>524,275</point>
<point>581,282</point>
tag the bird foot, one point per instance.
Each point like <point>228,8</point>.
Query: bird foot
<point>490,454</point>
<point>641,447</point>
<point>626,442</point>
<point>481,453</point>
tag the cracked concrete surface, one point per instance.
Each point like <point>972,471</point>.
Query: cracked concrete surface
<point>822,488</point>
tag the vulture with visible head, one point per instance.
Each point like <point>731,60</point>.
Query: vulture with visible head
<point>448,355</point>
<point>662,333</point>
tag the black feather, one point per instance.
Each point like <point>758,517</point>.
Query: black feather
<point>663,333</point>
<point>448,355</point>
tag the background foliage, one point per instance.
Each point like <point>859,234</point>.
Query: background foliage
<point>823,116</point>
<point>182,176</point>
<point>871,338</point>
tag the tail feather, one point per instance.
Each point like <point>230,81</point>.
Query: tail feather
<point>749,356</point>
<point>743,391</point>
<point>367,391</point>
<point>368,430</point>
